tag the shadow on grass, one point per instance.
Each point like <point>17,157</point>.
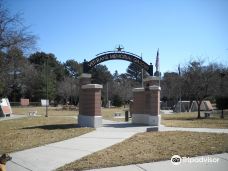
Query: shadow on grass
<point>183,119</point>
<point>54,127</point>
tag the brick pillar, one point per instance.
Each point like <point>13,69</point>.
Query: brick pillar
<point>138,101</point>
<point>90,106</point>
<point>154,108</point>
<point>155,105</point>
<point>138,116</point>
<point>146,105</point>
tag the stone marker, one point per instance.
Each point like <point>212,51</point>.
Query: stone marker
<point>24,102</point>
<point>6,109</point>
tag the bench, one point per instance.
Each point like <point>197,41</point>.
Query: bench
<point>117,114</point>
<point>32,113</point>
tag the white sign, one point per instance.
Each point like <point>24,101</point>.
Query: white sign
<point>44,102</point>
<point>5,107</point>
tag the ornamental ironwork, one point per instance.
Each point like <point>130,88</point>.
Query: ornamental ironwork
<point>117,55</point>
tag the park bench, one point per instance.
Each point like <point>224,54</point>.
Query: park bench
<point>117,114</point>
<point>32,113</point>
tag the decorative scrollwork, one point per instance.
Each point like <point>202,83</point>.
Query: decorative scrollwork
<point>121,55</point>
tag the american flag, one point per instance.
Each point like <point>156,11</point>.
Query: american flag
<point>157,61</point>
<point>179,70</point>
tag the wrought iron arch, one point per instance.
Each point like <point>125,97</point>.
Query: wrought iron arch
<point>113,55</point>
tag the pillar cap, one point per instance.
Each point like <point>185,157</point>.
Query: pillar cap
<point>154,87</point>
<point>138,89</point>
<point>85,75</point>
<point>92,86</point>
<point>151,78</point>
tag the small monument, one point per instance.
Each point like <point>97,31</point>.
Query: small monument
<point>24,102</point>
<point>6,109</point>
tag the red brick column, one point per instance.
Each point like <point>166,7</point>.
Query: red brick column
<point>90,100</point>
<point>155,100</point>
<point>83,80</point>
<point>90,106</point>
<point>146,106</point>
<point>138,100</point>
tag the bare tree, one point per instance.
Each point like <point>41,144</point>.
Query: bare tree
<point>198,82</point>
<point>68,89</point>
<point>12,31</point>
<point>125,88</point>
<point>122,87</point>
<point>170,88</point>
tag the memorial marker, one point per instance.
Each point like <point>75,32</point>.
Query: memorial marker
<point>6,109</point>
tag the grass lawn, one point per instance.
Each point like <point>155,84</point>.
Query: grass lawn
<point>190,120</point>
<point>52,111</point>
<point>173,120</point>
<point>153,146</point>
<point>108,113</point>
<point>24,133</point>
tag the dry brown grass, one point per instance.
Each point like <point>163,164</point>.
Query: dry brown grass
<point>153,146</point>
<point>52,111</point>
<point>108,113</point>
<point>190,120</point>
<point>24,133</point>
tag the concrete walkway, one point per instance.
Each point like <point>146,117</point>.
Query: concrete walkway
<point>221,165</point>
<point>52,156</point>
<point>12,117</point>
<point>209,130</point>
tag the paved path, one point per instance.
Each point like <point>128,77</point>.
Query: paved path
<point>221,165</point>
<point>212,130</point>
<point>12,117</point>
<point>52,156</point>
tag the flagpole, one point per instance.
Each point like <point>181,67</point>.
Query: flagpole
<point>159,70</point>
<point>180,86</point>
<point>157,64</point>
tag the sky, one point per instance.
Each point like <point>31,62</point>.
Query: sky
<point>183,30</point>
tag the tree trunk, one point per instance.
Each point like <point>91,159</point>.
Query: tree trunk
<point>222,114</point>
<point>199,103</point>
